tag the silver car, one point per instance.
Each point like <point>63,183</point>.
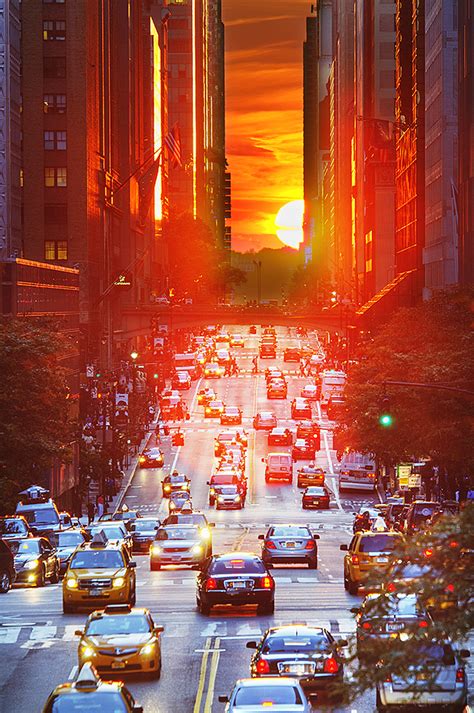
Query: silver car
<point>435,679</point>
<point>177,544</point>
<point>290,544</point>
<point>251,695</point>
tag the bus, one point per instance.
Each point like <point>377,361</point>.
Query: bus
<point>357,472</point>
<point>187,362</point>
<point>332,384</point>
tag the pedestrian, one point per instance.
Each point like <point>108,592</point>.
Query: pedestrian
<point>90,511</point>
<point>302,368</point>
<point>255,365</point>
<point>100,506</point>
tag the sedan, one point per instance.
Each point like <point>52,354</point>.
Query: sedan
<point>237,340</point>
<point>308,653</point>
<point>181,380</point>
<point>35,561</point>
<point>205,396</point>
<point>231,415</point>
<point>177,499</point>
<point>235,579</point>
<point>143,533</point>
<point>265,421</point>
<point>152,458</point>
<point>316,497</point>
<point>280,437</point>
<point>173,482</point>
<point>273,373</point>
<point>65,543</point>
<point>300,409</point>
<point>303,450</point>
<point>291,354</point>
<point>214,409</point>
<point>309,392</point>
<point>309,475</point>
<point>255,694</point>
<point>290,544</point>
<point>277,389</point>
<point>177,544</point>
<point>230,497</point>
<point>213,370</point>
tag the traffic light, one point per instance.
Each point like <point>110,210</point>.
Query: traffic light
<point>386,418</point>
<point>334,296</point>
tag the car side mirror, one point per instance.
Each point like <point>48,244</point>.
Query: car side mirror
<point>133,564</point>
<point>261,537</point>
<point>158,629</point>
<point>464,653</point>
<point>263,460</point>
<point>354,610</point>
<point>342,642</point>
<point>343,548</point>
<point>78,632</point>
<point>208,482</point>
<point>316,536</point>
<point>223,699</point>
<point>251,644</point>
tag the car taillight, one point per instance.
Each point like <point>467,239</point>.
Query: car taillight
<point>263,666</point>
<point>266,582</point>
<point>460,675</point>
<point>270,545</point>
<point>367,625</point>
<point>331,665</point>
<point>423,624</point>
<point>211,583</point>
<point>428,552</point>
<point>355,559</point>
<point>391,587</point>
<point>388,678</point>
<point>449,588</point>
<point>310,545</point>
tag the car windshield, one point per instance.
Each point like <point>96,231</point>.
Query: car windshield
<point>232,410</point>
<point>180,495</point>
<point>97,559</point>
<point>43,516</point>
<point>185,533</point>
<point>379,543</point>
<point>186,519</point>
<point>227,566</point>
<point>12,527</point>
<point>103,702</point>
<point>118,624</point>
<point>66,539</point>
<point>155,452</point>
<point>295,644</point>
<point>229,490</point>
<point>112,533</point>
<point>289,532</point>
<point>267,695</point>
<point>24,547</point>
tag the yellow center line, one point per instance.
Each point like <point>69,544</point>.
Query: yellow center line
<point>212,676</point>
<point>202,676</point>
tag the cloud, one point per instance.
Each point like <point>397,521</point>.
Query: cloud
<point>256,20</point>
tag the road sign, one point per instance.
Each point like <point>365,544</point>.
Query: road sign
<point>90,371</point>
<point>403,475</point>
<point>414,481</point>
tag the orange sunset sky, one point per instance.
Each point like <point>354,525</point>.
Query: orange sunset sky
<point>264,120</point>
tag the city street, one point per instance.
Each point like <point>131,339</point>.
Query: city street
<point>202,656</point>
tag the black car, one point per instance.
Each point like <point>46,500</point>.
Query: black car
<point>290,544</point>
<point>235,578</point>
<point>143,533</point>
<point>7,567</point>
<point>65,543</point>
<point>419,515</point>
<point>308,653</point>
<point>36,561</point>
<point>316,496</point>
<point>13,527</point>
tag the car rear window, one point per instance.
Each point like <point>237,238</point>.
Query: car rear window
<point>295,644</point>
<point>246,566</point>
<point>267,696</point>
<point>378,543</point>
<point>12,527</point>
<point>289,532</point>
<point>104,702</point>
<point>186,519</point>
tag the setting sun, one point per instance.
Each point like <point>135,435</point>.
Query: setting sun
<point>289,224</point>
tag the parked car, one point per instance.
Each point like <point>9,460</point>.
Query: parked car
<point>7,567</point>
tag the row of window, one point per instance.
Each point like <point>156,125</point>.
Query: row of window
<point>55,250</point>
<point>55,177</point>
<point>55,140</point>
<point>54,30</point>
<point>54,103</point>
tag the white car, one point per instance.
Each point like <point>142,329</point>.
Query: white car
<point>250,695</point>
<point>309,392</point>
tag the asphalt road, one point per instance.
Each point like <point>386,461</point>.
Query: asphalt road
<point>202,656</point>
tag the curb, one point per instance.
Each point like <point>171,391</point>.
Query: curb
<point>125,488</point>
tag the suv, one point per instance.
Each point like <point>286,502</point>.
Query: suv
<point>39,510</point>
<point>99,573</point>
<point>367,551</point>
<point>419,514</point>
<point>7,568</point>
<point>13,527</point>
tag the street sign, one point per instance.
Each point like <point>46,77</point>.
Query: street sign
<point>414,481</point>
<point>90,371</point>
<point>403,475</point>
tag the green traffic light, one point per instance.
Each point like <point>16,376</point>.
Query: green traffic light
<point>386,420</point>
<point>155,376</point>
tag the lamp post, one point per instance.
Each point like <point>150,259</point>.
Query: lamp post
<point>258,266</point>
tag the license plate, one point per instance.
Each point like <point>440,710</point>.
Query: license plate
<point>290,544</point>
<point>118,664</point>
<point>382,560</point>
<point>315,502</point>
<point>95,593</point>
<point>237,585</point>
<point>395,627</point>
<point>422,676</point>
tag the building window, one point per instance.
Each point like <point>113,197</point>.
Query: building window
<point>55,249</point>
<point>54,2</point>
<point>55,140</point>
<point>54,103</point>
<point>55,177</point>
<point>55,214</point>
<point>54,30</point>
<point>54,67</point>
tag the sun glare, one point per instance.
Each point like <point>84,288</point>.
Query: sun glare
<point>289,224</point>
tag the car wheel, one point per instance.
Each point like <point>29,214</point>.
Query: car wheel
<point>133,597</point>
<point>352,587</point>
<point>41,578</point>
<point>346,581</point>
<point>5,582</point>
<point>380,706</point>
<point>67,608</point>
<point>154,566</point>
<point>305,507</point>
<point>54,579</point>
<point>313,564</point>
<point>263,609</point>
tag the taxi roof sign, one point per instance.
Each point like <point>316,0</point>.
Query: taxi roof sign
<point>35,493</point>
<point>87,677</point>
<point>99,539</point>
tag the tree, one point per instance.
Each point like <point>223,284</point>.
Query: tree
<point>35,424</point>
<point>431,343</point>
<point>446,589</point>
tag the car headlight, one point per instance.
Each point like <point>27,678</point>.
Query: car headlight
<point>237,499</point>
<point>172,505</point>
<point>167,488</point>
<point>31,564</point>
<point>87,651</point>
<point>220,499</point>
<point>71,583</point>
<point>118,582</point>
<point>156,549</point>
<point>148,649</point>
<point>208,410</point>
<point>197,550</point>
<point>205,533</point>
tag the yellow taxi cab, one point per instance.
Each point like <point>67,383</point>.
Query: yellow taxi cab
<point>367,552</point>
<point>89,692</point>
<point>99,572</point>
<point>119,638</point>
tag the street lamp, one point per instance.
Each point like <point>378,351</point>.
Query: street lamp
<point>134,355</point>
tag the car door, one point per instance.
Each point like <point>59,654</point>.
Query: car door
<point>48,556</point>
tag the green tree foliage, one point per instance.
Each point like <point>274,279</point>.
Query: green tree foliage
<point>444,589</point>
<point>309,285</point>
<point>430,343</point>
<point>35,424</point>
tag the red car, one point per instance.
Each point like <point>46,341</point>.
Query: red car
<point>311,431</point>
<point>280,437</point>
<point>231,415</point>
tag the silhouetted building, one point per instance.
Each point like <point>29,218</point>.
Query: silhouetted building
<point>466,141</point>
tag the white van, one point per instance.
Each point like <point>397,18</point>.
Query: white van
<point>279,466</point>
<point>332,383</point>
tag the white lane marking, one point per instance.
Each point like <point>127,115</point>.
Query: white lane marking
<point>41,633</point>
<point>72,673</point>
<point>9,635</point>
<point>335,489</point>
<point>70,633</point>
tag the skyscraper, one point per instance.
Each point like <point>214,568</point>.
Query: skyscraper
<point>466,142</point>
